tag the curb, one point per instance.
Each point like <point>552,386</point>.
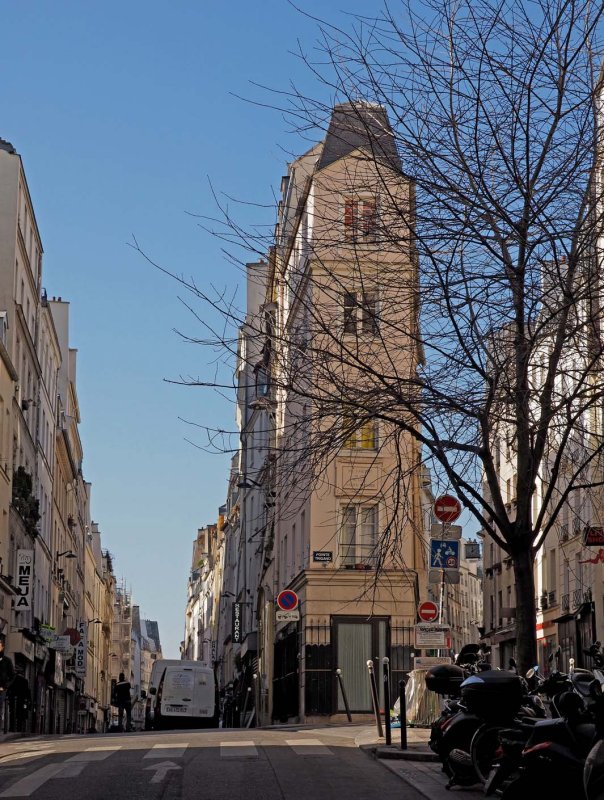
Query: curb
<point>392,754</point>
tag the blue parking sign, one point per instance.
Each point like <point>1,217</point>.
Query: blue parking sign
<point>444,554</point>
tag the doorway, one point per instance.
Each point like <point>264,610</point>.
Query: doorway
<point>357,640</point>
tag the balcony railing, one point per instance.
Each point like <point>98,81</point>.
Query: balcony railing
<point>575,598</point>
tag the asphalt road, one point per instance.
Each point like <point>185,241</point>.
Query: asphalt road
<point>283,764</point>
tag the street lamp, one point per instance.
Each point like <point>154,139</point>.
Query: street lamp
<point>67,554</point>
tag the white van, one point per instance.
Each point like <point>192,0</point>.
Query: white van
<point>182,694</point>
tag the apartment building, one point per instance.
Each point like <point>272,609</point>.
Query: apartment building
<point>315,524</point>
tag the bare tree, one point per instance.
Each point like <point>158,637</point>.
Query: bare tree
<point>489,350</point>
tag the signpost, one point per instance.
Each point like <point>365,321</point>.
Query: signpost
<point>444,554</point>
<point>444,551</point>
<point>287,600</point>
<point>430,636</point>
<point>287,616</point>
<point>444,531</point>
<point>428,611</point>
<point>447,508</point>
<point>423,662</point>
<point>322,556</point>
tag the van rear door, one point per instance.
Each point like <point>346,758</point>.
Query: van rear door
<point>178,695</point>
<point>204,693</point>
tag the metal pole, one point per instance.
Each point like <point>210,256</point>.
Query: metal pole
<point>374,698</point>
<point>386,677</point>
<point>402,713</point>
<point>344,698</point>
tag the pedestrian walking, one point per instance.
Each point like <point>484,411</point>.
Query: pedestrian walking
<point>123,695</point>
<point>7,676</point>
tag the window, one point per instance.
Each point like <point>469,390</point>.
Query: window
<point>359,435</point>
<point>358,535</point>
<point>361,312</point>
<point>360,219</point>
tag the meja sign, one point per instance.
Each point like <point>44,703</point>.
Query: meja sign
<point>25,579</point>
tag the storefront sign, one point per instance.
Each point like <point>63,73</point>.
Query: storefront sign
<point>80,650</point>
<point>594,536</point>
<point>25,577</point>
<point>62,644</point>
<point>236,631</point>
<point>47,633</point>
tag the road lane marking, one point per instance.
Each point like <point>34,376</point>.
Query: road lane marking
<point>167,751</point>
<point>308,747</point>
<point>18,756</point>
<point>28,785</point>
<point>161,770</point>
<point>71,770</point>
<point>245,749</point>
<point>94,754</point>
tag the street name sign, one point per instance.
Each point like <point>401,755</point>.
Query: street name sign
<point>322,556</point>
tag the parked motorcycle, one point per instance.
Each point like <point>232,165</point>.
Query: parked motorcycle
<point>552,759</point>
<point>485,696</point>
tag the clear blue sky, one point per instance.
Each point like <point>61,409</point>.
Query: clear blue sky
<point>121,112</point>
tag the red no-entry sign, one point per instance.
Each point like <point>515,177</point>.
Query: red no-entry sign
<point>427,611</point>
<point>447,508</point>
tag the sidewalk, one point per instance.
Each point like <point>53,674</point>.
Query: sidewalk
<point>418,765</point>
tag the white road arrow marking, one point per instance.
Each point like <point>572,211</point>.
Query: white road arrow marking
<point>161,770</point>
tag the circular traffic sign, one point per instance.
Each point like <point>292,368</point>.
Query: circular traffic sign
<point>447,508</point>
<point>427,611</point>
<point>287,600</point>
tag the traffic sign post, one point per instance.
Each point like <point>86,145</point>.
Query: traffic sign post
<point>447,508</point>
<point>427,611</point>
<point>444,554</point>
<point>287,600</point>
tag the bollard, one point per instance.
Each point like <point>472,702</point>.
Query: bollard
<point>386,676</point>
<point>374,698</point>
<point>344,698</point>
<point>402,714</point>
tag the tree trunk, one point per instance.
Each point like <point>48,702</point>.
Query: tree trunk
<point>526,632</point>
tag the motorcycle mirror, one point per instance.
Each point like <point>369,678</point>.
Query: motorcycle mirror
<point>530,673</point>
<point>550,658</point>
<point>512,663</point>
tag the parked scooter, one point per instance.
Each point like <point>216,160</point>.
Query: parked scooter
<point>593,772</point>
<point>483,694</point>
<point>552,759</point>
<point>446,680</point>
